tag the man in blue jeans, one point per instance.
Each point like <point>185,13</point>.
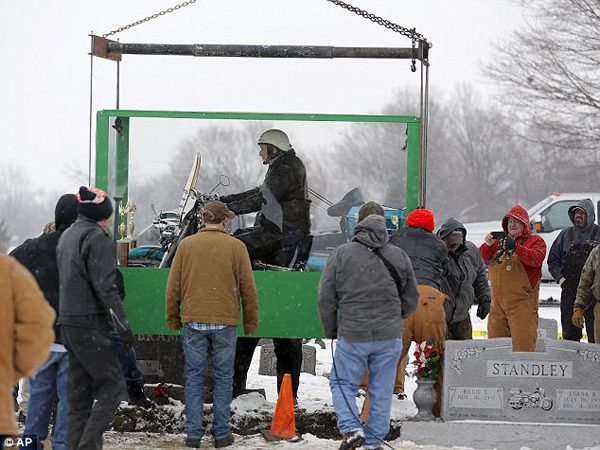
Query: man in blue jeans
<point>38,255</point>
<point>366,289</point>
<point>209,274</point>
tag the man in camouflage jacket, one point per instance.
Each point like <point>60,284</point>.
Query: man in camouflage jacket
<point>588,292</point>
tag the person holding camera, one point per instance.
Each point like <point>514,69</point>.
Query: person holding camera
<point>515,270</point>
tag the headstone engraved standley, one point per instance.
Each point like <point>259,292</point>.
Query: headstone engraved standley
<point>485,380</point>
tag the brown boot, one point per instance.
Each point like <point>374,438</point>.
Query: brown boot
<point>224,442</point>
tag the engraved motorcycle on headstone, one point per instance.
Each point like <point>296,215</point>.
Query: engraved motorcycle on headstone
<point>517,399</point>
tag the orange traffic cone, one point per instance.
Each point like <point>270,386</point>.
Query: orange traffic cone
<point>284,422</point>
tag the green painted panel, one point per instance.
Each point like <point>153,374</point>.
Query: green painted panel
<point>101,180</point>
<point>287,302</point>
<point>261,116</point>
<point>412,167</point>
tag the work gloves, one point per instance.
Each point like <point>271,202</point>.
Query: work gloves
<point>127,341</point>
<point>509,244</point>
<point>577,318</point>
<point>483,310</point>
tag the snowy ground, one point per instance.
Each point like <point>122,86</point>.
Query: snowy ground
<point>314,395</point>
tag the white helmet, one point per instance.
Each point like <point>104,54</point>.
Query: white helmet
<point>277,138</point>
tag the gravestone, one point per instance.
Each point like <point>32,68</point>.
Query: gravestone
<point>160,358</point>
<point>268,360</point>
<point>547,328</point>
<point>486,380</point>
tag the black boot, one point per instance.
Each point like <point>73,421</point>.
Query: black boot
<point>136,395</point>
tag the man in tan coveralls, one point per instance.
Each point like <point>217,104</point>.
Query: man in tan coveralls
<point>515,271</point>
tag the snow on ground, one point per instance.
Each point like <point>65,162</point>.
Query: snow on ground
<point>314,395</point>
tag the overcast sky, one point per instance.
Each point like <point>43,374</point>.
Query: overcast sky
<point>45,67</point>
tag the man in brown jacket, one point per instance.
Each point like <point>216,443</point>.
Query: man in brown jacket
<point>26,334</point>
<point>210,272</point>
<point>588,293</point>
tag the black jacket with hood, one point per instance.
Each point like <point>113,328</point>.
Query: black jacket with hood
<point>561,245</point>
<point>282,199</point>
<point>38,255</point>
<point>358,298</point>
<point>89,292</point>
<point>428,254</point>
<point>466,282</point>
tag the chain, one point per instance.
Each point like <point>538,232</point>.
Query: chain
<point>153,16</point>
<point>408,32</point>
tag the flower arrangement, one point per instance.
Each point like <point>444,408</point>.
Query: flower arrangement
<point>428,360</point>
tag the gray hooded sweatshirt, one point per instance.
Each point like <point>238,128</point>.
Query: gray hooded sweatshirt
<point>358,298</point>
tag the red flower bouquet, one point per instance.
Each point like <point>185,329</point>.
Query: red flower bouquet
<point>428,360</point>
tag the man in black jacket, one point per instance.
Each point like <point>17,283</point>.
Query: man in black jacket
<point>282,202</point>
<point>38,255</point>
<point>283,221</point>
<point>429,258</point>
<point>466,281</point>
<point>90,306</point>
<point>568,254</point>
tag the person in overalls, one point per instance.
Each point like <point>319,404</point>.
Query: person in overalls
<point>566,259</point>
<point>515,270</point>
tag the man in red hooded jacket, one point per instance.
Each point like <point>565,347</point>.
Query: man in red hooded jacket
<point>515,270</point>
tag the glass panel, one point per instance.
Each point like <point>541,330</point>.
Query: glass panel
<point>339,158</point>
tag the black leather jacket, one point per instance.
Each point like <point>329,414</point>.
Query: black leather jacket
<point>428,254</point>
<point>282,199</point>
<point>89,295</point>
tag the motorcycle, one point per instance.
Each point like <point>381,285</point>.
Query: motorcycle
<point>191,208</point>
<point>517,399</point>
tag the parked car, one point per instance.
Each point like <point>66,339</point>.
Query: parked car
<point>548,218</point>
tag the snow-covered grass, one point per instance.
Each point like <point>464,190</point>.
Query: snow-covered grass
<point>313,395</point>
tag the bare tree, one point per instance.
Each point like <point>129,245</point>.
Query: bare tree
<point>4,237</point>
<point>24,207</point>
<point>225,149</point>
<point>550,72</point>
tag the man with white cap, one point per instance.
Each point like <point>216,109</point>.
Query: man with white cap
<point>282,222</point>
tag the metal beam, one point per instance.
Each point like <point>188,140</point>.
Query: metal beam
<point>262,51</point>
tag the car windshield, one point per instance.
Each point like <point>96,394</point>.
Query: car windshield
<point>539,206</point>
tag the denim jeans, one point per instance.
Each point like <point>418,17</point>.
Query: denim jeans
<point>196,345</point>
<point>128,361</point>
<point>351,359</point>
<point>49,379</point>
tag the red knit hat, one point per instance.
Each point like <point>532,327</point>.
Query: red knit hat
<point>422,218</point>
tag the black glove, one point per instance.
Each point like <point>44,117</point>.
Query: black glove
<point>510,244</point>
<point>483,310</point>
<point>225,199</point>
<point>127,341</point>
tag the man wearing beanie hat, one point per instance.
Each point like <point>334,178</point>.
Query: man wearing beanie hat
<point>39,257</point>
<point>211,271</point>
<point>429,257</point>
<point>89,307</point>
